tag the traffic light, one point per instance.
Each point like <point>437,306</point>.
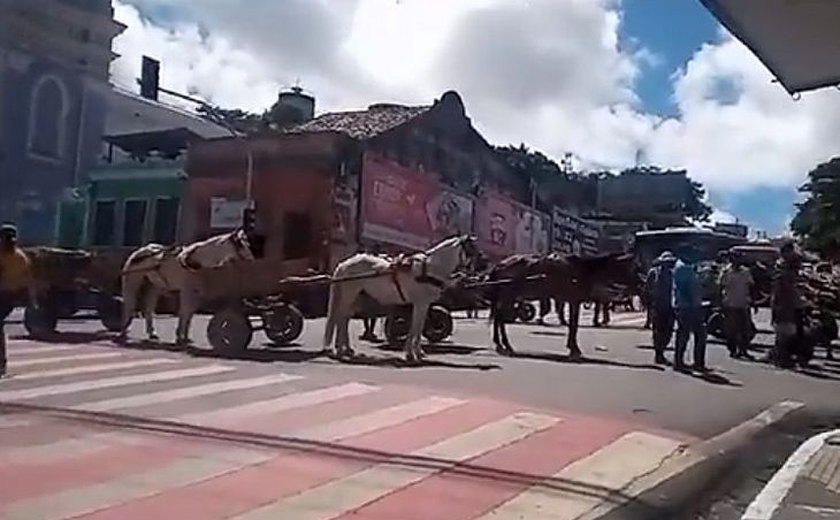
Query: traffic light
<point>150,78</point>
<point>249,220</point>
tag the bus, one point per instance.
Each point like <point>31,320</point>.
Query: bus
<point>648,245</point>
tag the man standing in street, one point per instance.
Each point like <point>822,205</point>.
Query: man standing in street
<point>688,307</point>
<point>736,283</point>
<point>787,308</point>
<point>658,287</point>
<point>15,277</point>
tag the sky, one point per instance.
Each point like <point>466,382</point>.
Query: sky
<point>614,82</point>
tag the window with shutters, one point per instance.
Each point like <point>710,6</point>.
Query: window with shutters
<point>104,223</point>
<point>134,222</point>
<point>166,221</point>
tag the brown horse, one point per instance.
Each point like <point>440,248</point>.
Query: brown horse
<point>571,279</point>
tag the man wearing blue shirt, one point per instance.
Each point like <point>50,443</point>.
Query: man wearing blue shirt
<point>688,307</point>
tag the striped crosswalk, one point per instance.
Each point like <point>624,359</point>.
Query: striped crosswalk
<point>187,437</point>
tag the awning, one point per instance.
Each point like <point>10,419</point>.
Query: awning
<point>798,40</point>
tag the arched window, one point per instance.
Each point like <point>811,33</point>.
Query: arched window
<point>48,109</point>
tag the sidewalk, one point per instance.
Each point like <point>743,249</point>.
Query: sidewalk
<point>807,487</point>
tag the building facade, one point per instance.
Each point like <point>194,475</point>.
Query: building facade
<point>54,60</point>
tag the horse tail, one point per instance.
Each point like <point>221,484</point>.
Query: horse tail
<point>332,313</point>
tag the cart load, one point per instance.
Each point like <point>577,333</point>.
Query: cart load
<point>67,281</point>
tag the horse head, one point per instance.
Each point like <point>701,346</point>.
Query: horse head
<point>241,245</point>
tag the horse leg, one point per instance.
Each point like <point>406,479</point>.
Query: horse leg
<point>497,318</point>
<point>188,304</point>
<point>342,341</point>
<point>574,322</point>
<point>150,305</point>
<point>413,351</point>
<point>130,289</point>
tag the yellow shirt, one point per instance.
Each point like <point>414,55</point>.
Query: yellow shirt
<point>15,270</point>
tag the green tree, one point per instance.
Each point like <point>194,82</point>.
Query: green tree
<point>817,221</point>
<point>274,119</point>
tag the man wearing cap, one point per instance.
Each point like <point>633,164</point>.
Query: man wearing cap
<point>15,277</point>
<point>736,283</point>
<point>658,286</point>
<point>688,307</point>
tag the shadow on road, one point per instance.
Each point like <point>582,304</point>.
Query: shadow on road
<point>70,337</point>
<point>566,358</point>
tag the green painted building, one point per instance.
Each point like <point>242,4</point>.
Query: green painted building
<point>132,198</point>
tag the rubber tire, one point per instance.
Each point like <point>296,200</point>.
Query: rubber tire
<point>110,311</point>
<point>66,303</point>
<point>526,312</point>
<point>396,327</point>
<point>283,325</point>
<point>715,325</point>
<point>229,332</point>
<point>439,324</point>
<point>40,323</point>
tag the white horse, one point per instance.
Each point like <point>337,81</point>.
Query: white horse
<point>158,268</point>
<point>418,280</point>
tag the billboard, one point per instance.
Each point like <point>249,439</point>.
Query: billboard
<point>506,227</point>
<point>407,208</point>
<point>573,235</point>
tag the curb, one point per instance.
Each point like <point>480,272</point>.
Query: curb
<point>770,499</point>
<point>675,486</point>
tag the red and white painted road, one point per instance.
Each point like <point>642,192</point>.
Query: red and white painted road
<point>96,432</point>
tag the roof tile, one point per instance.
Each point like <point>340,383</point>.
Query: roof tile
<point>362,124</point>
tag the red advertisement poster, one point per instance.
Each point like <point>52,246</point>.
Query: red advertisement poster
<point>496,223</point>
<point>408,208</point>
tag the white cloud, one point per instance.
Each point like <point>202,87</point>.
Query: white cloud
<point>551,73</point>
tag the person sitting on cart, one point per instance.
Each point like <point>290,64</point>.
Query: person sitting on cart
<point>15,278</point>
<point>736,283</point>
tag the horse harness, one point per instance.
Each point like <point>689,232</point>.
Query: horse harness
<point>403,263</point>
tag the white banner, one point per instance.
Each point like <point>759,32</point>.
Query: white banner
<point>226,214</point>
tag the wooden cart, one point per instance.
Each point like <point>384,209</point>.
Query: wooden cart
<point>281,316</point>
<point>69,281</point>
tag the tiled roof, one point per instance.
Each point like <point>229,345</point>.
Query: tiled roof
<point>362,124</point>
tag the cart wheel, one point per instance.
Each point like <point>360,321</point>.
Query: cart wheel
<point>438,325</point>
<point>229,332</point>
<point>283,324</point>
<point>110,309</point>
<point>525,312</point>
<point>41,322</point>
<point>66,303</point>
<point>715,325</point>
<point>396,327</point>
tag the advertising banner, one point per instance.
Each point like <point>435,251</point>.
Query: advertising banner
<point>408,208</point>
<point>507,227</point>
<point>573,235</point>
<point>226,214</point>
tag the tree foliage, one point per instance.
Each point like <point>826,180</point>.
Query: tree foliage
<point>274,119</point>
<point>531,164</point>
<point>817,220</point>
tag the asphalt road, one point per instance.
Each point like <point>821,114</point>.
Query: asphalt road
<point>616,378</point>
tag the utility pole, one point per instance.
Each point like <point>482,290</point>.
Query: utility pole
<point>150,87</point>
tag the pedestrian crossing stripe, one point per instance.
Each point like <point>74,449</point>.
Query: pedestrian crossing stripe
<point>397,443</point>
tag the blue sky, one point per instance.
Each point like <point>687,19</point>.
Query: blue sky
<point>674,30</point>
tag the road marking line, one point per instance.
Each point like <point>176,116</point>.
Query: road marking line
<point>386,417</point>
<point>768,501</point>
<point>63,359</point>
<point>72,447</point>
<point>166,396</point>
<point>280,404</point>
<point>90,369</point>
<point>613,467</point>
<point>69,388</point>
<point>184,472</point>
<point>17,351</point>
<point>346,494</point>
